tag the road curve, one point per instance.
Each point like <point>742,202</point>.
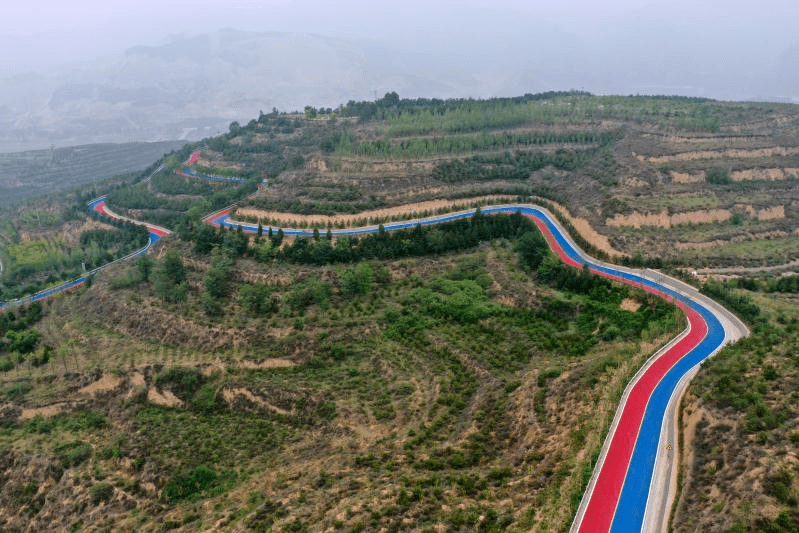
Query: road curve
<point>187,172</point>
<point>100,206</point>
<point>97,205</point>
<point>632,486</point>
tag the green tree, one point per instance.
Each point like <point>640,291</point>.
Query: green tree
<point>357,280</point>
<point>169,278</point>
<point>263,251</point>
<point>144,265</point>
<point>532,249</point>
<point>217,277</point>
<point>205,238</point>
<point>234,244</point>
<point>297,161</point>
<point>389,100</point>
<point>172,266</point>
<point>277,240</point>
<point>211,305</point>
<point>257,298</point>
<point>24,341</point>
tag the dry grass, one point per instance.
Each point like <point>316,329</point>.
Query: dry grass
<point>408,210</point>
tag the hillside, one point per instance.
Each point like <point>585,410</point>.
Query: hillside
<point>454,378</point>
<point>176,85</point>
<point>37,173</point>
<point>689,181</point>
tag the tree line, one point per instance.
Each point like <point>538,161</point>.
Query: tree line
<point>441,238</point>
<point>392,102</point>
<point>516,166</point>
<point>343,143</point>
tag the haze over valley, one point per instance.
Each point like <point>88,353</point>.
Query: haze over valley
<point>187,70</point>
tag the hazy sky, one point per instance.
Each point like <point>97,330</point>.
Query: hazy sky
<point>36,32</point>
<point>727,49</point>
<point>188,79</point>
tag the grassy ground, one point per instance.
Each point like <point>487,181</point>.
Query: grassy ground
<point>742,423</point>
<point>392,414</point>
<point>456,392</point>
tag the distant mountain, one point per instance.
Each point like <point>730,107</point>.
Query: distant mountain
<point>193,86</point>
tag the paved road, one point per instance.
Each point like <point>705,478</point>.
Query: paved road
<point>632,485</point>
<point>663,488</point>
<point>97,205</point>
<point>187,172</point>
<point>100,205</point>
<point>633,482</point>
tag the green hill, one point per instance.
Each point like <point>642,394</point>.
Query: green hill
<point>452,378</point>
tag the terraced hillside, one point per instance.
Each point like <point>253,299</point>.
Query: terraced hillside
<point>689,181</point>
<point>455,378</point>
<point>35,173</point>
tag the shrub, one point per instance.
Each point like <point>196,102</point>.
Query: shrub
<point>462,301</point>
<point>85,421</point>
<point>326,410</point>
<point>778,484</point>
<point>101,492</point>
<point>312,291</point>
<point>190,483</point>
<point>73,453</point>
<point>718,176</point>
<point>742,305</point>
<point>16,391</point>
<point>205,399</point>
<point>183,382</point>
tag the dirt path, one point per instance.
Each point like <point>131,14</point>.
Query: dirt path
<point>774,151</point>
<point>745,270</point>
<point>581,225</point>
<point>587,232</point>
<point>407,210</point>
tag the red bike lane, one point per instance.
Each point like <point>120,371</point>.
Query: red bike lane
<point>606,491</point>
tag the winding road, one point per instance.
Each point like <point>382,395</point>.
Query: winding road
<point>634,480</point>
<point>187,172</point>
<point>97,205</point>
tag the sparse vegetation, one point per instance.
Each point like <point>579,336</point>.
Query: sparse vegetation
<point>456,376</point>
<point>744,397</point>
